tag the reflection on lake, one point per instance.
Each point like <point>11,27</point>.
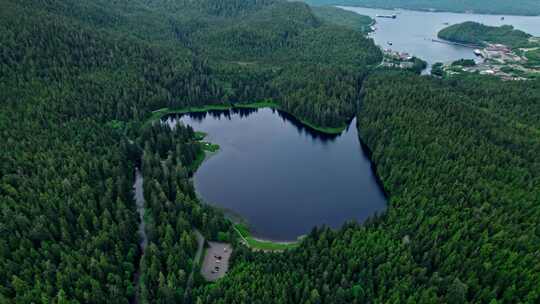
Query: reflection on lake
<point>281,177</point>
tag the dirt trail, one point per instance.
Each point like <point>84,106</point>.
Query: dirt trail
<point>197,258</point>
<point>139,200</point>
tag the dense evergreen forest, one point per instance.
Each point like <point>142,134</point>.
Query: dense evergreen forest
<point>477,33</point>
<point>173,213</point>
<point>342,17</point>
<point>78,80</point>
<point>238,51</point>
<point>514,7</point>
<point>459,161</point>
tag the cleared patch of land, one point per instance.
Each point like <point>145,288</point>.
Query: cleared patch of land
<point>216,261</point>
<point>258,244</point>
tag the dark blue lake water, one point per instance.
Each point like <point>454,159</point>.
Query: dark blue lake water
<point>281,177</point>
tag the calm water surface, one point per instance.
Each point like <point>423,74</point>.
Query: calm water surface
<point>412,31</point>
<point>282,178</point>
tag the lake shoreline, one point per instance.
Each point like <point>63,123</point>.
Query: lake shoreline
<point>160,113</point>
<point>261,244</point>
<point>233,193</point>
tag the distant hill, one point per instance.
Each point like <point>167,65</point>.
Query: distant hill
<point>477,33</point>
<point>342,17</point>
<point>515,7</point>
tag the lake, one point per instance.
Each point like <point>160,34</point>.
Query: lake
<point>412,31</point>
<point>281,177</point>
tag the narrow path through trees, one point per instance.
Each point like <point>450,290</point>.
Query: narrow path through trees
<point>139,200</point>
<point>197,258</point>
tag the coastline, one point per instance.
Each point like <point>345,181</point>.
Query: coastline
<point>435,10</point>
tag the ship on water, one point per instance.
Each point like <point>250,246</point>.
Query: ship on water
<point>393,16</point>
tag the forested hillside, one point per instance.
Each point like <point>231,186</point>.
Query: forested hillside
<point>173,212</point>
<point>477,33</point>
<point>253,50</point>
<point>68,222</point>
<point>340,16</point>
<point>77,80</point>
<point>515,7</point>
<point>459,161</point>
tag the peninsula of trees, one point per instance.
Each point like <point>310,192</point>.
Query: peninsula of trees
<point>480,34</point>
<point>345,18</point>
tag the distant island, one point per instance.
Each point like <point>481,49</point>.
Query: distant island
<point>515,7</point>
<point>480,34</point>
<point>507,52</point>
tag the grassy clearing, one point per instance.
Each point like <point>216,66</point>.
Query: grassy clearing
<point>200,135</point>
<point>210,147</point>
<point>255,244</point>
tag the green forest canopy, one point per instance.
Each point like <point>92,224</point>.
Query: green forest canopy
<point>79,79</point>
<point>342,17</point>
<point>477,33</point>
<point>514,7</point>
<point>459,161</point>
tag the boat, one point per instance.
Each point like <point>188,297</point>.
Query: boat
<point>393,16</point>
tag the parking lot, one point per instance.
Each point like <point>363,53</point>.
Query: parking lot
<point>216,261</point>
